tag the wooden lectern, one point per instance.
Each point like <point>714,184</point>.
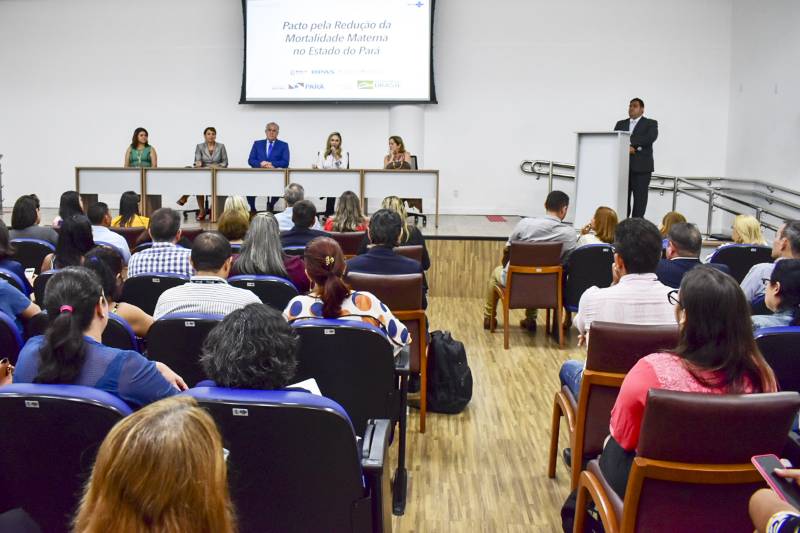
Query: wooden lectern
<point>601,174</point>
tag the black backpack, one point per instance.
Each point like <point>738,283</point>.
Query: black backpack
<point>449,376</point>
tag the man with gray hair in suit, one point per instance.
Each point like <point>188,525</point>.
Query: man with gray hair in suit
<point>294,193</point>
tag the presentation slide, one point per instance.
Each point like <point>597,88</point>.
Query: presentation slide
<point>338,51</point>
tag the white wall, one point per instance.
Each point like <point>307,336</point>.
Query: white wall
<point>764,138</point>
<point>515,79</point>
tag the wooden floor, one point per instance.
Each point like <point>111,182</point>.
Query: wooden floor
<point>485,469</point>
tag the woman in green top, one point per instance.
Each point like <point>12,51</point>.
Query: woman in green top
<point>140,153</point>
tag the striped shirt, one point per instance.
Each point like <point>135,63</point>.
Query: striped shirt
<point>204,295</point>
<point>636,299</point>
<point>162,257</point>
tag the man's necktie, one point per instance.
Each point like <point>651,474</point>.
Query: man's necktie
<point>269,149</point>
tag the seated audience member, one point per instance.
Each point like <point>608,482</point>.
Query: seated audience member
<point>330,297</point>
<point>235,219</point>
<point>16,305</point>
<point>69,205</point>
<point>672,217</point>
<point>785,246</point>
<point>716,354</point>
<point>304,216</point>
<point>599,230</point>
<point>101,220</point>
<point>683,254</point>
<point>261,254</point>
<point>25,220</point>
<point>107,265</point>
<point>410,235</point>
<point>159,469</point>
<point>74,241</point>
<point>384,232</point>
<point>294,193</point>
<point>7,251</point>
<point>782,296</point>
<point>71,352</point>
<point>349,216</point>
<point>252,348</point>
<point>164,256</point>
<point>208,291</point>
<point>129,216</point>
<point>746,229</point>
<point>636,296</point>
<point>548,228</point>
<point>770,513</point>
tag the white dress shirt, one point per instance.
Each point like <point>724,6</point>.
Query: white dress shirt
<point>633,123</point>
<point>102,234</point>
<point>636,299</point>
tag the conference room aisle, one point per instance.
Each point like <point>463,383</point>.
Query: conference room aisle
<point>485,468</point>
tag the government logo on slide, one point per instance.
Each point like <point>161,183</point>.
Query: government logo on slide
<point>366,84</point>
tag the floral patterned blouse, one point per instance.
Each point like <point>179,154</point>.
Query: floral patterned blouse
<point>359,305</point>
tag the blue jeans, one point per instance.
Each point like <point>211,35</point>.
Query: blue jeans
<point>571,375</point>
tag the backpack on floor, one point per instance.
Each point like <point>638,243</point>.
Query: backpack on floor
<point>449,376</point>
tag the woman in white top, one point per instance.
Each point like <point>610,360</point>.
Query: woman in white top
<point>333,158</point>
<point>600,230</point>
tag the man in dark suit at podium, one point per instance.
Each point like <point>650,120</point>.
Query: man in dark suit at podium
<point>644,132</point>
<point>268,153</point>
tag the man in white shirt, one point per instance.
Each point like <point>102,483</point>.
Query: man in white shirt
<point>635,295</point>
<point>101,220</point>
<point>208,291</point>
<point>785,246</point>
<point>294,193</point>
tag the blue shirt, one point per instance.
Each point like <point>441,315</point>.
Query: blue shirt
<point>16,268</point>
<point>12,302</point>
<point>123,373</point>
<point>783,318</point>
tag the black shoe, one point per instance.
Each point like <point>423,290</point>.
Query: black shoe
<point>566,454</point>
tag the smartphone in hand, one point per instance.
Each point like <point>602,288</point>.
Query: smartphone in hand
<point>785,488</point>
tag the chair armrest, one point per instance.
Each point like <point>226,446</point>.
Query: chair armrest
<point>377,472</point>
<point>402,361</point>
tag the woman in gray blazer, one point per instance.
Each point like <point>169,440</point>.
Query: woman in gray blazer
<point>207,154</point>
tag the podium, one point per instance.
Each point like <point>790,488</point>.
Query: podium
<point>601,173</point>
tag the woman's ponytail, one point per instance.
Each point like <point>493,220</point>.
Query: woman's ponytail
<point>325,266</point>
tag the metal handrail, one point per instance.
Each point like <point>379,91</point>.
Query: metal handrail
<point>555,169</point>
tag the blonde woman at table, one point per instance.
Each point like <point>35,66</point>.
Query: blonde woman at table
<point>207,154</point>
<point>140,154</point>
<point>333,158</point>
<point>398,157</point>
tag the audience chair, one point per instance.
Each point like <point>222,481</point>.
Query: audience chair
<point>587,266</point>
<point>131,234</point>
<point>739,258</point>
<point>349,241</point>
<point>143,246</point>
<point>354,365</point>
<point>37,325</point>
<point>613,350</point>
<point>14,280</point>
<point>144,290</point>
<point>191,233</point>
<point>692,471</point>
<point>411,251</point>
<point>295,463</point>
<point>294,250</point>
<point>31,252</point>
<point>112,247</point>
<point>177,341</point>
<point>50,436</point>
<point>118,334</point>
<point>236,248</point>
<point>402,294</point>
<point>272,290</point>
<point>533,281</point>
<point>781,348</point>
<point>40,284</point>
<point>11,341</point>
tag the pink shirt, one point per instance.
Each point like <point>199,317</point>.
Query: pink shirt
<point>655,371</point>
<point>636,299</point>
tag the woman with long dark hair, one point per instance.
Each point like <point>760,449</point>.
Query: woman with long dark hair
<point>782,296</point>
<point>70,204</point>
<point>71,350</point>
<point>74,243</point>
<point>139,153</point>
<point>330,296</point>
<point>129,216</point>
<point>160,469</point>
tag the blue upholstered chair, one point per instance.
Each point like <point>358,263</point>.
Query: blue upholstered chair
<point>31,252</point>
<point>177,340</point>
<point>143,290</point>
<point>740,258</point>
<point>295,464</point>
<point>272,290</point>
